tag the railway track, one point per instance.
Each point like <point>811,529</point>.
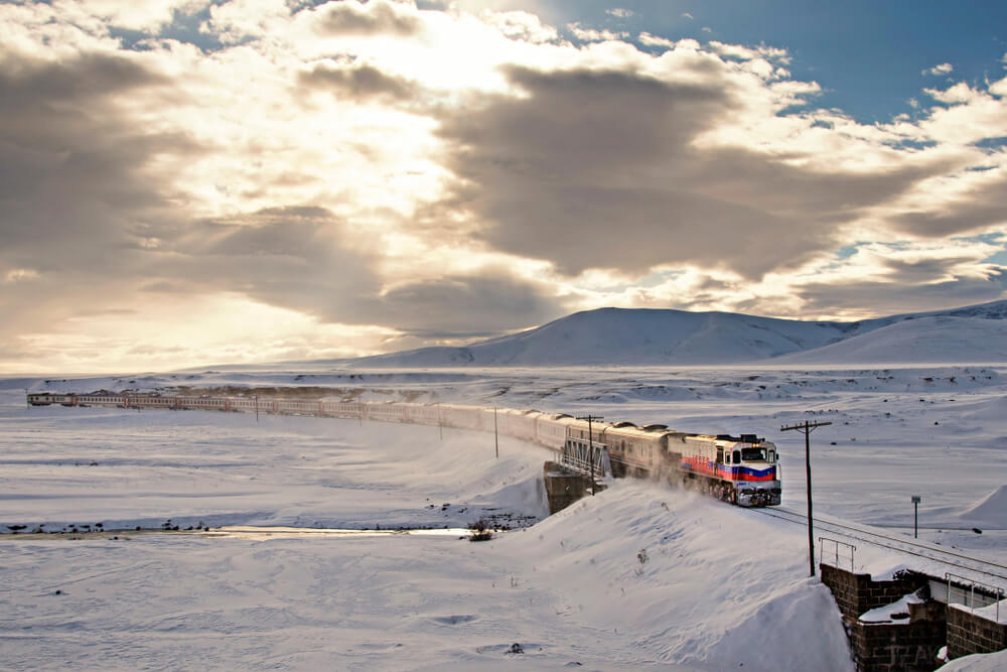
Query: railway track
<point>961,562</point>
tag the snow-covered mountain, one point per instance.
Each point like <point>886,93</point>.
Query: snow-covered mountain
<point>615,336</point>
<point>926,340</point>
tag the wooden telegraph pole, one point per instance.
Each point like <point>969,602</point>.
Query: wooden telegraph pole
<point>806,428</point>
<point>590,444</point>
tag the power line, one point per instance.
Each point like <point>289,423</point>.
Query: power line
<point>952,559</point>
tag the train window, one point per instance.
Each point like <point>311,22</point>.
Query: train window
<point>737,457</point>
<point>720,455</point>
<point>753,454</point>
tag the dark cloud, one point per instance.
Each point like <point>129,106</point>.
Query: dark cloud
<point>600,170</point>
<point>922,271</point>
<point>87,78</point>
<point>470,306</point>
<point>96,226</point>
<point>357,82</point>
<point>300,258</point>
<point>77,198</point>
<point>351,17</point>
<point>911,288</point>
<point>981,208</point>
<point>71,164</point>
<point>294,257</point>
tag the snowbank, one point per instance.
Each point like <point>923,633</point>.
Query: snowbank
<point>993,662</point>
<point>991,510</point>
<point>692,580</point>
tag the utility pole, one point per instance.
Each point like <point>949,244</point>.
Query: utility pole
<point>256,408</point>
<point>806,428</point>
<point>590,444</point>
<point>496,435</point>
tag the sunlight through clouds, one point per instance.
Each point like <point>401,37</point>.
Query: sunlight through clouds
<point>387,170</point>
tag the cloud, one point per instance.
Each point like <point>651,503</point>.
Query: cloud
<point>594,35</point>
<point>233,21</point>
<point>939,70</point>
<point>744,53</point>
<point>522,26</point>
<point>469,306</point>
<point>563,173</point>
<point>141,15</point>
<point>305,259</point>
<point>299,258</point>
<point>348,177</point>
<point>649,40</point>
<point>358,82</point>
<point>74,180</point>
<point>620,12</point>
<point>356,18</point>
<point>974,210</point>
<point>846,300</point>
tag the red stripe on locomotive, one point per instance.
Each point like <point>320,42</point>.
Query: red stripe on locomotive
<point>728,472</point>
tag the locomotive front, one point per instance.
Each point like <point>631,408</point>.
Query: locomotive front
<point>752,470</point>
<point>742,469</point>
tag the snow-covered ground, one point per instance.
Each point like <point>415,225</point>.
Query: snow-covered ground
<point>639,577</point>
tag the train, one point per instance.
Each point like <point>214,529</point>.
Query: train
<point>742,470</point>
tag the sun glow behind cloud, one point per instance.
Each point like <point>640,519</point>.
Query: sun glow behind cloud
<point>351,177</point>
<point>198,332</point>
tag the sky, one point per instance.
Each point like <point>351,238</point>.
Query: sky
<point>193,182</point>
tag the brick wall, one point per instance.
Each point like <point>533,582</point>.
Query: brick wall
<point>968,634</point>
<point>882,647</point>
<point>897,648</point>
<point>857,593</point>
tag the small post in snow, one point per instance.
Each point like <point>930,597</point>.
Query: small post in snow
<point>916,516</point>
<point>806,428</point>
<point>496,435</point>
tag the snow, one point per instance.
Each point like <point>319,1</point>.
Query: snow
<point>991,510</point>
<point>639,577</point>
<point>896,612</point>
<point>621,336</point>
<point>995,612</point>
<point>994,662</point>
<point>926,339</point>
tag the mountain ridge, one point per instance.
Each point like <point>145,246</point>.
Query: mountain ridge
<point>654,336</point>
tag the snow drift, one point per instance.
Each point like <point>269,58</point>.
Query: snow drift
<point>991,510</point>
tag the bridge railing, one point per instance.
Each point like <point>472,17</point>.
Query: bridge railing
<point>578,457</point>
<point>837,548</point>
<point>973,594</point>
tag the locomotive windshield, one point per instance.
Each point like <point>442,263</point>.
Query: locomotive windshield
<point>753,454</point>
